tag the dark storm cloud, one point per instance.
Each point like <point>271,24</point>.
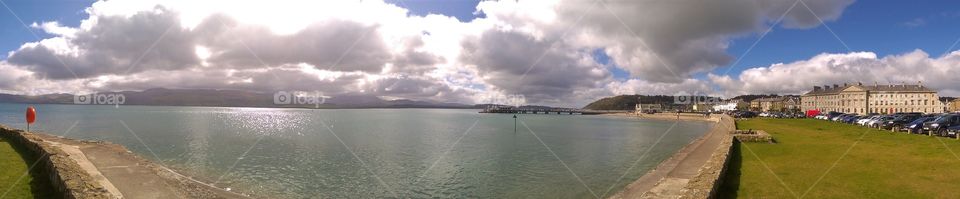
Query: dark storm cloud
<point>114,46</point>
<point>666,41</point>
<point>332,44</point>
<point>503,59</point>
<point>413,61</point>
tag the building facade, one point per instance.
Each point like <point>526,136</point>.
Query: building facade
<point>755,105</point>
<point>865,99</point>
<point>954,105</point>
<point>780,104</point>
<point>649,107</point>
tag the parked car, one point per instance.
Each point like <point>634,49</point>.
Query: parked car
<point>829,116</point>
<point>916,126</point>
<point>799,115</point>
<point>850,118</point>
<point>953,131</point>
<point>863,121</point>
<point>838,117</point>
<point>939,125</point>
<point>899,121</point>
<point>744,114</point>
<point>875,122</point>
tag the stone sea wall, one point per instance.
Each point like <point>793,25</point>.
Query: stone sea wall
<point>709,178</point>
<point>66,176</point>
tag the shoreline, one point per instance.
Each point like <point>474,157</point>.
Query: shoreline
<point>121,172</point>
<point>670,178</point>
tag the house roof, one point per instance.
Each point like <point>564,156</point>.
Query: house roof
<point>873,88</point>
<point>775,99</point>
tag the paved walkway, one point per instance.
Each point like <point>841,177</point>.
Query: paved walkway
<point>669,178</point>
<point>132,176</point>
<point>74,153</point>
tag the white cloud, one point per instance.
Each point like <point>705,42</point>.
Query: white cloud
<point>533,48</point>
<point>660,41</point>
<point>865,67</point>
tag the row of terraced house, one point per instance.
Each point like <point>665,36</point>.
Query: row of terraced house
<point>883,99</point>
<point>847,98</point>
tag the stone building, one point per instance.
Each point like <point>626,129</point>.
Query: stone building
<point>780,104</point>
<point>649,107</point>
<point>865,99</point>
<point>954,106</point>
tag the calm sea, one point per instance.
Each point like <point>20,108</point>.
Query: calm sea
<point>366,153</point>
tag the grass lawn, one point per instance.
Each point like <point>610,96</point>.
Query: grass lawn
<point>881,165</point>
<point>12,166</point>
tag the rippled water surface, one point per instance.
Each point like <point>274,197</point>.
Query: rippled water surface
<point>363,153</point>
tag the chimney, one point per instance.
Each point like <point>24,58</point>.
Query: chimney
<point>816,88</point>
<point>859,83</point>
<point>836,86</point>
<point>844,84</point>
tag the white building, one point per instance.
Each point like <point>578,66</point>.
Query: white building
<point>731,106</point>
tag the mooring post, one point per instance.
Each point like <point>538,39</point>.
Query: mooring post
<point>514,124</point>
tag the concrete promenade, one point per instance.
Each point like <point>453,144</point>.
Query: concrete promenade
<point>121,171</point>
<point>669,178</point>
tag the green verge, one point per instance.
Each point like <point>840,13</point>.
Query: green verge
<point>14,162</point>
<point>880,165</point>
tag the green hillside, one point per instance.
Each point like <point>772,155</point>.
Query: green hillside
<point>627,102</point>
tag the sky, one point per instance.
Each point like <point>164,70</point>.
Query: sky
<point>551,52</point>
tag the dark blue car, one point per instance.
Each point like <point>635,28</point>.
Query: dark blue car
<point>917,125</point>
<point>953,131</point>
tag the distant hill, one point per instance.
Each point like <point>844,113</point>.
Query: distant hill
<point>627,102</point>
<point>231,98</point>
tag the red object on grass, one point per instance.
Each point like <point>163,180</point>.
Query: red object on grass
<point>813,113</point>
<point>31,115</point>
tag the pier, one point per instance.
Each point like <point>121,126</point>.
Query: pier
<point>541,110</point>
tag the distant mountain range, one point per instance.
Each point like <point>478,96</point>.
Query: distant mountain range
<point>228,98</point>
